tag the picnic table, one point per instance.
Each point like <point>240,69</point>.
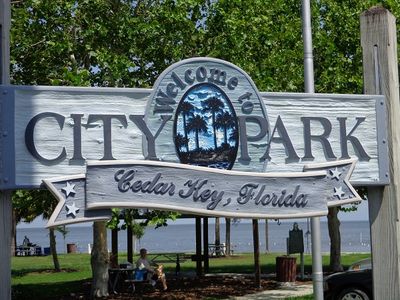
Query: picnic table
<point>116,275</point>
<point>28,250</point>
<point>172,257</point>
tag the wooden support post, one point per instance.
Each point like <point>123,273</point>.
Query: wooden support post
<point>217,237</point>
<point>130,244</point>
<point>114,244</point>
<point>5,17</point>
<point>205,245</point>
<point>266,237</point>
<point>228,236</point>
<point>379,45</point>
<point>198,247</point>
<point>5,248</point>
<point>5,196</point>
<point>256,243</point>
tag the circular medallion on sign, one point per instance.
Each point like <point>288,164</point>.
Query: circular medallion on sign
<point>206,128</point>
<point>207,112</point>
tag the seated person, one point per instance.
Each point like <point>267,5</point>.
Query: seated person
<point>26,242</point>
<point>152,273</point>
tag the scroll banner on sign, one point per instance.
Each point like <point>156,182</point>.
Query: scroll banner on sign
<point>200,190</point>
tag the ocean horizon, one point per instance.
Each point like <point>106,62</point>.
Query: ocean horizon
<point>355,237</point>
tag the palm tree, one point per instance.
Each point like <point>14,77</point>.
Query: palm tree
<point>197,124</point>
<point>181,141</point>
<point>225,121</point>
<point>213,105</point>
<point>187,110</point>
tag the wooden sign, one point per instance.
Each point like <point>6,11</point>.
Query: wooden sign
<point>201,111</point>
<point>199,190</point>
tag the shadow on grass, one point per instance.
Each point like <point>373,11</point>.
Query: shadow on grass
<point>24,272</point>
<point>49,291</point>
<point>249,269</point>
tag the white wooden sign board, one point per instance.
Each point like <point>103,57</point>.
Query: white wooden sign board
<point>200,190</point>
<point>203,112</point>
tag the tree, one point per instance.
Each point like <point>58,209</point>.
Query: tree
<point>214,106</point>
<point>225,121</point>
<point>28,205</point>
<point>99,260</point>
<point>187,110</point>
<point>181,141</point>
<point>197,124</point>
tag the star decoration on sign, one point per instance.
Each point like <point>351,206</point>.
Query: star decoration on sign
<point>335,174</point>
<point>72,209</point>
<point>68,189</point>
<point>339,192</point>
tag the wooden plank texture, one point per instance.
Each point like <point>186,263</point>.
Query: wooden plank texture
<point>5,246</point>
<point>379,43</point>
<point>5,196</point>
<point>208,191</point>
<point>127,141</point>
<point>5,42</point>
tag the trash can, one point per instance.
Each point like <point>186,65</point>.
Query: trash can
<point>46,251</point>
<point>71,248</point>
<point>286,269</point>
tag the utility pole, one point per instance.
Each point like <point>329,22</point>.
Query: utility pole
<point>309,88</point>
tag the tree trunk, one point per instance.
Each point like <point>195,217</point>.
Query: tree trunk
<point>217,237</point>
<point>53,249</point>
<point>14,233</point>
<point>99,261</point>
<point>228,236</point>
<point>334,234</point>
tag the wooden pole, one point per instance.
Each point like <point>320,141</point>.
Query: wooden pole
<point>379,45</point>
<point>5,248</point>
<point>266,236</point>
<point>114,244</point>
<point>5,17</point>
<point>198,246</point>
<point>256,243</point>
<point>130,244</point>
<point>217,237</point>
<point>228,236</point>
<point>205,245</point>
<point>5,196</point>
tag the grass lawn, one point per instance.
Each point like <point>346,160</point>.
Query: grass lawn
<point>33,278</point>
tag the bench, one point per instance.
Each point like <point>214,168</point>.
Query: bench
<point>132,283</point>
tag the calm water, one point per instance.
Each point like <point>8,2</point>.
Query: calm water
<point>181,238</point>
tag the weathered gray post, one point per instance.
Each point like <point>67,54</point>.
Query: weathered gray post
<point>5,196</point>
<point>379,43</point>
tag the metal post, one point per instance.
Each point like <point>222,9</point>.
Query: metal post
<point>309,88</point>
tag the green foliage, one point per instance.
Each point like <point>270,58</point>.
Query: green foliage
<point>129,43</point>
<point>30,204</point>
<point>137,219</point>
